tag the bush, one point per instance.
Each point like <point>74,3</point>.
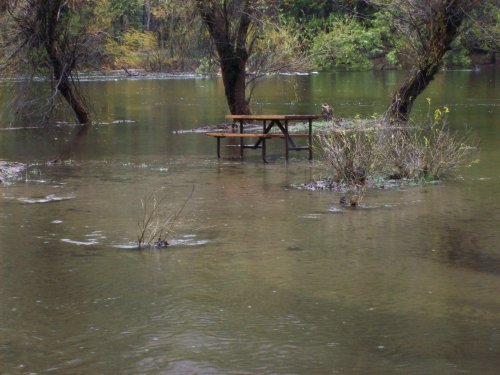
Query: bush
<point>350,44</point>
<point>158,219</point>
<point>430,151</point>
<point>349,155</point>
<point>427,152</point>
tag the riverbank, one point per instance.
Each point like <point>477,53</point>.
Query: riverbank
<point>193,68</point>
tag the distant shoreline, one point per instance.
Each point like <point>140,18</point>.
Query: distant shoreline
<point>139,73</point>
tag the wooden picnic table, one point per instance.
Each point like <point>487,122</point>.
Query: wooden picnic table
<point>268,123</point>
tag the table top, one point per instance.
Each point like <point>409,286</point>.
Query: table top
<point>273,117</point>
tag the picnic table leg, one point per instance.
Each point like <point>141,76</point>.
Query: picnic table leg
<point>218,147</point>
<point>264,142</point>
<point>241,140</point>
<point>264,151</point>
<point>286,140</point>
<point>310,140</point>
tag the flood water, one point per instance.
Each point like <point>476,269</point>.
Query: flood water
<point>261,278</point>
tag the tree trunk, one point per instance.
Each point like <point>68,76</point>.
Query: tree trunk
<point>63,85</point>
<point>147,15</point>
<point>231,48</point>
<point>74,102</point>
<point>234,78</point>
<point>415,84</point>
<point>62,69</point>
<point>442,26</point>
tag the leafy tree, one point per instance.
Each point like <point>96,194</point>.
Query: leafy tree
<point>126,14</point>
<point>277,49</point>
<point>482,29</point>
<point>178,28</point>
<point>250,43</point>
<point>322,9</point>
<point>306,8</point>
<point>131,50</point>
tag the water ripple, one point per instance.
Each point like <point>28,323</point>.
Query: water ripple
<point>47,199</point>
<point>80,243</point>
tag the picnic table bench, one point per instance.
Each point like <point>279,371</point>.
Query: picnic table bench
<point>268,123</point>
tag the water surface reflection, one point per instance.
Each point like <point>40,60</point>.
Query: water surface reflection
<point>261,278</point>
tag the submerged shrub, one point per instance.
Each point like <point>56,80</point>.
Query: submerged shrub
<point>427,152</point>
<point>441,151</point>
<point>158,219</point>
<point>402,157</point>
<point>349,155</point>
<point>430,151</point>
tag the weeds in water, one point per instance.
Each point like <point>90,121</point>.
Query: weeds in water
<point>381,151</point>
<point>428,152</point>
<point>158,220</point>
<point>350,156</point>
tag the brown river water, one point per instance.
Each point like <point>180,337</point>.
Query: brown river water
<point>260,277</point>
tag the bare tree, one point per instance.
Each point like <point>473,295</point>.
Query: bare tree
<point>229,24</point>
<point>47,38</point>
<point>249,44</point>
<point>430,27</point>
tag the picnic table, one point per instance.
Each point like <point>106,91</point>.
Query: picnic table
<point>269,122</point>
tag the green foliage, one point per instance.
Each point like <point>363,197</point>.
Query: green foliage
<point>344,34</point>
<point>277,49</point>
<point>392,57</point>
<point>484,35</point>
<point>347,45</point>
<point>322,9</point>
<point>133,50</point>
<point>207,66</point>
<point>458,56</point>
<point>126,14</point>
<point>300,9</point>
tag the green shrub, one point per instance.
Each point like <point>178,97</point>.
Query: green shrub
<point>458,56</point>
<point>349,44</point>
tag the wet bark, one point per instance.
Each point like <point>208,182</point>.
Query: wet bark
<point>62,60</point>
<point>234,78</point>
<point>442,27</point>
<point>64,86</point>
<point>231,48</point>
<point>414,85</point>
